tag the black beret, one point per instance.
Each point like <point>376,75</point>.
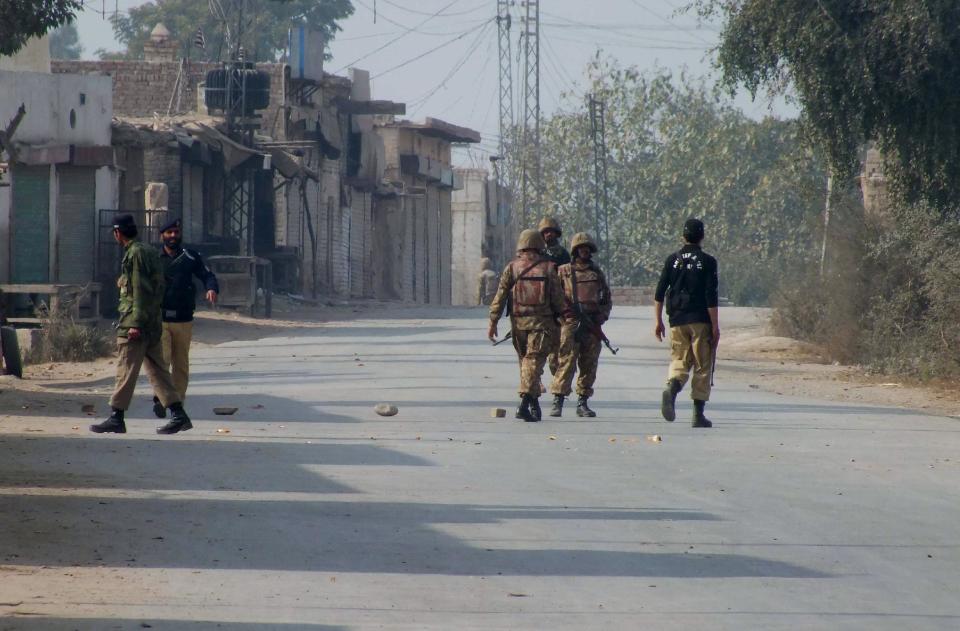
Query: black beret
<point>124,221</point>
<point>170,223</point>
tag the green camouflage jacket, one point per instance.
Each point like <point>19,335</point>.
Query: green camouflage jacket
<point>141,291</point>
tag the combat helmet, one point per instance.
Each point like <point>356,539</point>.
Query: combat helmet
<point>486,263</point>
<point>549,223</point>
<point>530,240</point>
<point>582,238</point>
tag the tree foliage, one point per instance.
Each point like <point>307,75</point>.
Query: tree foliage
<point>22,19</point>
<point>259,26</point>
<point>65,42</point>
<point>677,149</point>
<point>862,70</point>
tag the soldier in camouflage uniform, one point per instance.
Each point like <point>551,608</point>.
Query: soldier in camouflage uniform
<point>486,282</point>
<point>530,284</point>
<point>585,289</point>
<point>138,333</point>
<point>549,229</point>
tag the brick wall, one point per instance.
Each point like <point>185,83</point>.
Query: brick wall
<point>632,296</point>
<point>142,88</point>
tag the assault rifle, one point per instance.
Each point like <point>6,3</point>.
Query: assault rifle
<point>589,324</point>
<point>505,338</point>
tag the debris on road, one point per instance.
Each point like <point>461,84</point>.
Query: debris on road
<point>225,411</point>
<point>551,437</point>
<point>89,409</point>
<point>385,409</point>
<point>223,430</point>
<point>498,412</point>
<point>655,438</point>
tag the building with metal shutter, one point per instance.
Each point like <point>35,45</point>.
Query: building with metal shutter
<point>60,171</point>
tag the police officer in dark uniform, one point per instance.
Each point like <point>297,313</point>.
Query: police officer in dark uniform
<point>180,266</point>
<point>688,287</point>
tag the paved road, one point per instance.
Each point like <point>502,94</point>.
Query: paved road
<point>313,513</point>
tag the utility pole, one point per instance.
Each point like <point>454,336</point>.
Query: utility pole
<point>530,170</point>
<point>504,21</point>
<point>826,222</point>
<point>600,200</point>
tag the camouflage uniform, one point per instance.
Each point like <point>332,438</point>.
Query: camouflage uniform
<point>141,287</point>
<point>536,302</point>
<point>557,255</point>
<point>486,282</point>
<point>583,351</point>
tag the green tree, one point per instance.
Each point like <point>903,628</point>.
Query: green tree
<point>862,70</point>
<point>677,149</point>
<point>22,19</point>
<point>259,25</point>
<point>65,42</point>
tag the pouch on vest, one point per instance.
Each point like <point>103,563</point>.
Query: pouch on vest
<point>529,290</point>
<point>678,296</point>
<point>589,289</point>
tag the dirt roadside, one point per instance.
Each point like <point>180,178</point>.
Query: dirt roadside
<point>748,353</point>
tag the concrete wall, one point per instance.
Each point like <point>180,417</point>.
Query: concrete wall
<point>34,57</point>
<point>49,100</point>
<point>469,233</point>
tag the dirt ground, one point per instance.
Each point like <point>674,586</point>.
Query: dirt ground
<point>748,352</point>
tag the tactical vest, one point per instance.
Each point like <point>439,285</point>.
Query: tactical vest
<point>589,288</point>
<point>529,293</point>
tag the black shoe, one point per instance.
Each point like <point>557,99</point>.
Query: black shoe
<point>669,400</point>
<point>583,409</point>
<point>179,421</point>
<point>113,425</point>
<point>158,409</point>
<point>699,420</point>
<point>557,409</point>
<point>535,408</point>
<point>524,412</point>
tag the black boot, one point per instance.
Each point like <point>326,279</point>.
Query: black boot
<point>158,409</point>
<point>557,409</point>
<point>524,412</point>
<point>699,420</point>
<point>179,421</point>
<point>535,408</point>
<point>669,400</point>
<point>113,425</point>
<point>583,409</point>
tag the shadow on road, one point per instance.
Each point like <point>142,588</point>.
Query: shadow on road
<point>44,623</point>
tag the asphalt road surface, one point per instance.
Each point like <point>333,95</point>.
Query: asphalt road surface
<point>305,510</point>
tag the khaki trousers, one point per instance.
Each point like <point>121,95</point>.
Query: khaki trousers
<point>532,349</point>
<point>176,353</point>
<point>584,355</point>
<point>691,348</point>
<point>132,355</point>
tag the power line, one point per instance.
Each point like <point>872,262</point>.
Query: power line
<point>456,67</point>
<point>398,37</point>
<point>443,15</point>
<point>432,50</point>
<point>666,21</point>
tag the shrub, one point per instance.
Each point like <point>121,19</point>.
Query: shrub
<point>63,339</point>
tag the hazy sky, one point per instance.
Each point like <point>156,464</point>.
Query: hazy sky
<point>457,81</point>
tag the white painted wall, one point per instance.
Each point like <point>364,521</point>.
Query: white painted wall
<point>49,99</point>
<point>34,57</point>
<point>469,225</point>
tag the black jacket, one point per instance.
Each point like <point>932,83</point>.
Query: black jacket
<point>693,272</point>
<point>557,254</point>
<point>179,299</point>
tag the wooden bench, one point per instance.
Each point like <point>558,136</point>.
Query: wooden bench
<point>59,294</point>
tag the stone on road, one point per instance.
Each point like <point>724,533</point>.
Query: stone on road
<point>313,514</point>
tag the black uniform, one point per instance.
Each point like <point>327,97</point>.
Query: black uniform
<point>557,254</point>
<point>179,300</point>
<point>691,277</point>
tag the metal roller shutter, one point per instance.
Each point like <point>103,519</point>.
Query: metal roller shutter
<point>76,224</point>
<point>30,225</point>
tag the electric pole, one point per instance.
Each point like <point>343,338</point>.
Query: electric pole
<point>530,170</point>
<point>506,80</point>
<point>600,200</point>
